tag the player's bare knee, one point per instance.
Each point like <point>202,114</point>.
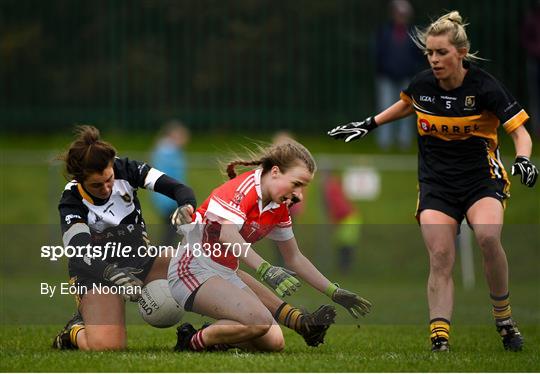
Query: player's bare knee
<point>440,260</point>
<point>279,345</point>
<point>488,243</point>
<point>276,343</point>
<point>273,340</point>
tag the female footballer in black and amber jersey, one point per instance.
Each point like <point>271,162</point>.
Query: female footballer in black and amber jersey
<point>99,207</point>
<point>459,108</point>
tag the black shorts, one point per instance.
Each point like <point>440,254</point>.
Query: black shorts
<point>455,203</point>
<point>85,282</point>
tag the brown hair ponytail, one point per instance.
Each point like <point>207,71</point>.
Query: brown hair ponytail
<point>87,154</point>
<point>283,155</point>
<point>231,173</point>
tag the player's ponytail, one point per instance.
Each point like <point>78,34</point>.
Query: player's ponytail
<point>87,154</point>
<point>450,24</point>
<point>231,173</point>
<point>283,155</point>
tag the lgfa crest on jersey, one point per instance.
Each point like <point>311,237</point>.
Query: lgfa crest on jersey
<point>126,197</point>
<point>238,196</point>
<point>469,101</point>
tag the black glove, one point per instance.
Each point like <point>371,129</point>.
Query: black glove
<point>124,277</point>
<point>353,130</point>
<point>356,305</point>
<point>524,167</point>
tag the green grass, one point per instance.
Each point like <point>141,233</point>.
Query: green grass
<point>374,348</point>
<point>394,337</point>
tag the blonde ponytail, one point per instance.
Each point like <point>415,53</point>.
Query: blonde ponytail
<point>450,24</point>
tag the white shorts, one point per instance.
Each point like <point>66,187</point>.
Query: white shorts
<point>187,273</point>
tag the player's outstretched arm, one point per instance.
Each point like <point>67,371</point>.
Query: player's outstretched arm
<point>353,130</point>
<point>296,261</point>
<point>357,130</point>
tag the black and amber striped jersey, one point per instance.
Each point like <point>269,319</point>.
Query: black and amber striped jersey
<point>457,129</point>
<point>85,219</point>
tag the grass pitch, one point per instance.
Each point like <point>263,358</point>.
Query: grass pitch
<point>372,348</point>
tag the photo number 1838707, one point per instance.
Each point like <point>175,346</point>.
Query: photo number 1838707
<point>217,249</point>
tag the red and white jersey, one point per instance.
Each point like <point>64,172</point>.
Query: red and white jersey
<point>240,201</point>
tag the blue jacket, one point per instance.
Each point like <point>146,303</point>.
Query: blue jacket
<point>396,59</point>
<point>170,159</point>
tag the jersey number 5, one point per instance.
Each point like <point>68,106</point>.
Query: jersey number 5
<point>448,104</point>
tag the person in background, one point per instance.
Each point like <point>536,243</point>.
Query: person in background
<point>168,156</point>
<point>397,60</point>
<point>345,218</point>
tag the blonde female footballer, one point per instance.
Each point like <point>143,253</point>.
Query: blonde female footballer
<point>459,108</point>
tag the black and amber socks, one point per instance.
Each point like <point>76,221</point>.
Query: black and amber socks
<point>439,329</point>
<point>501,307</point>
<point>439,334</point>
<point>73,334</point>
<point>289,316</point>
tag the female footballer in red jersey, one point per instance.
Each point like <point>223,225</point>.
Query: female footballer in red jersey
<point>203,277</point>
<point>459,107</point>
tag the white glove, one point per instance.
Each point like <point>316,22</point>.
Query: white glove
<point>181,216</point>
<point>353,130</point>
